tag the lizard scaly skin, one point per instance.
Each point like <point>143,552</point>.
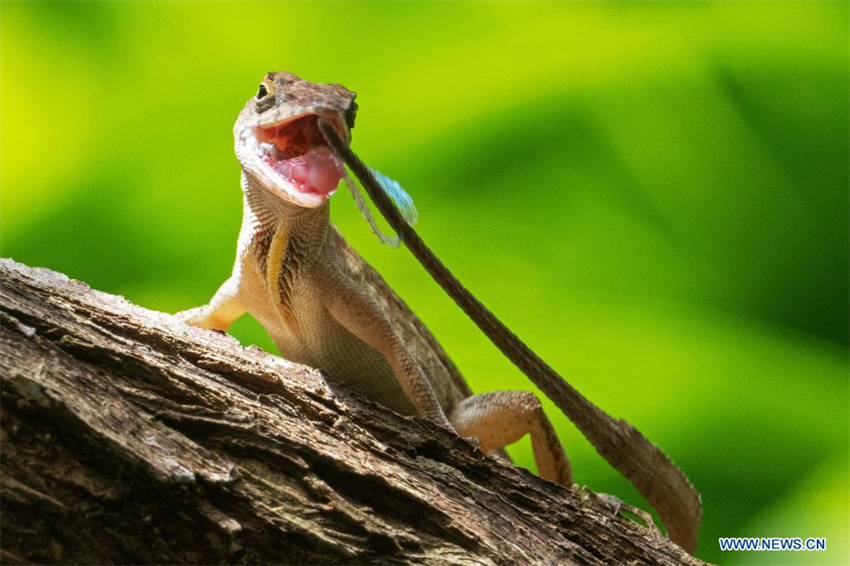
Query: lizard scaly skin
<point>324,306</point>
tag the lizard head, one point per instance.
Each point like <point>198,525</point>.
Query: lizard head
<point>278,141</point>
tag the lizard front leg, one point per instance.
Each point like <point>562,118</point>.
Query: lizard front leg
<point>220,312</point>
<point>361,315</point>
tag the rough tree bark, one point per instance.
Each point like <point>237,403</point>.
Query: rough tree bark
<point>128,437</point>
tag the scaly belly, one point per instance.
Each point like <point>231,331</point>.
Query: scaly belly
<point>316,339</point>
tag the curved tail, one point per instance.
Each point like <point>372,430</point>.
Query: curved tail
<point>657,478</point>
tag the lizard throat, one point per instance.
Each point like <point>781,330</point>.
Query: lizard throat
<point>296,153</point>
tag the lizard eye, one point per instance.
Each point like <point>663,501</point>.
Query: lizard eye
<point>350,114</point>
<point>262,91</point>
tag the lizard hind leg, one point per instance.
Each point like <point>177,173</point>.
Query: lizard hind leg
<point>500,418</point>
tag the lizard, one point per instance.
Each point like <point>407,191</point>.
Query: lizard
<point>326,307</point>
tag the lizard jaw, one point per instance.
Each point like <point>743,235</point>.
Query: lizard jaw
<point>291,159</point>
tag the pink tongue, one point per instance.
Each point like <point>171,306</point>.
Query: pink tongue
<point>317,171</point>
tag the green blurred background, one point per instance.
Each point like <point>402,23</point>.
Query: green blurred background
<point>654,195</point>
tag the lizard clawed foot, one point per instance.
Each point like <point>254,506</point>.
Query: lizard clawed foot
<point>202,318</point>
<point>616,506</point>
<point>474,441</point>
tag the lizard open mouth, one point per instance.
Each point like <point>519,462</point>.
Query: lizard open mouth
<point>296,151</point>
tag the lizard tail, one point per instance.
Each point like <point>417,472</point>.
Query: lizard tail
<point>650,470</point>
<point>657,478</point>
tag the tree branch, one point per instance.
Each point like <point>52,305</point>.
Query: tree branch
<point>130,438</point>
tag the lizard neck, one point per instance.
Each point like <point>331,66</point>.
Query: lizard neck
<point>279,231</point>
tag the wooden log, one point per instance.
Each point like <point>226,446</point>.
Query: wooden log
<point>129,438</point>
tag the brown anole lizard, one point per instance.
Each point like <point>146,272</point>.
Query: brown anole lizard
<point>324,306</point>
